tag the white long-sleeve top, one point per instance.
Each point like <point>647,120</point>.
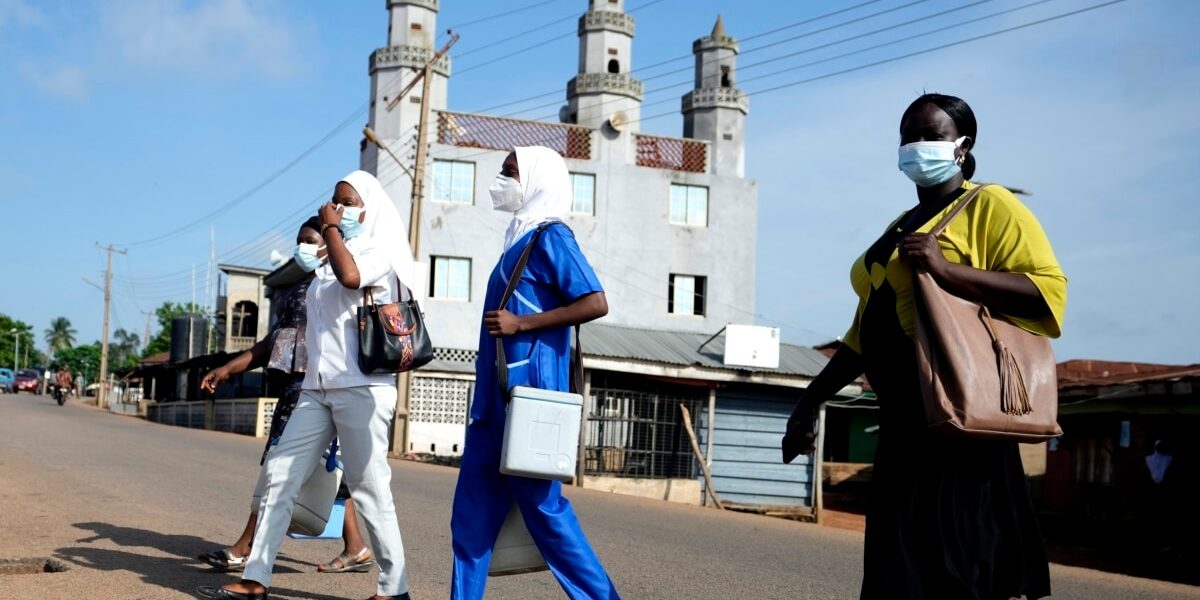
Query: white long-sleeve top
<point>332,329</point>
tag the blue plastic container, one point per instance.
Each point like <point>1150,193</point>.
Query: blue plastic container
<point>333,530</point>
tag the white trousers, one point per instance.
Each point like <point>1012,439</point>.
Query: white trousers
<point>361,418</point>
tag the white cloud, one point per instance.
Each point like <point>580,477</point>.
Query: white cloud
<point>69,81</point>
<point>221,36</point>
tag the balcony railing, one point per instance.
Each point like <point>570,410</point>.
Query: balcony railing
<point>678,154</point>
<point>500,133</point>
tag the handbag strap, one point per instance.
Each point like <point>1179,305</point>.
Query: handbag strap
<point>958,208</point>
<point>369,294</point>
<point>501,359</point>
<point>331,461</point>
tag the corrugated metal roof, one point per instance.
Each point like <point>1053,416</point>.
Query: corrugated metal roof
<point>683,349</point>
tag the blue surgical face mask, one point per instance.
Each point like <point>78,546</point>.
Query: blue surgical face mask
<point>350,225</point>
<point>306,257</point>
<point>930,163</point>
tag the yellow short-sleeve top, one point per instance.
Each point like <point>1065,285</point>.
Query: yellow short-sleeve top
<point>996,232</point>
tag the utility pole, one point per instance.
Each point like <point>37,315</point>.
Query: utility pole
<point>102,392</point>
<point>404,380</point>
<point>146,336</point>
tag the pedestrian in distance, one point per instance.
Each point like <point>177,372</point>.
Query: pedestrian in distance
<point>367,251</point>
<point>284,350</point>
<point>557,291</point>
<point>947,517</point>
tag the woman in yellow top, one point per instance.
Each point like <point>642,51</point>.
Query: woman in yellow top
<point>947,517</point>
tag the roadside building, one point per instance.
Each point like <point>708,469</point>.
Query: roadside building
<point>1098,479</point>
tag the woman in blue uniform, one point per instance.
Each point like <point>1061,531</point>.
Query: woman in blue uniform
<point>558,290</point>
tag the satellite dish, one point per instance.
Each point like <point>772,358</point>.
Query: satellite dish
<point>564,114</point>
<point>618,120</point>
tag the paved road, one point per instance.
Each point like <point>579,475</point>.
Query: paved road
<point>127,504</point>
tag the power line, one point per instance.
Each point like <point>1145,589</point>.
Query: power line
<point>875,47</point>
<point>541,43</point>
<point>558,91</point>
<point>633,268</point>
<point>786,40</point>
<point>254,189</point>
<point>357,113</point>
<point>494,16</point>
<point>180,282</point>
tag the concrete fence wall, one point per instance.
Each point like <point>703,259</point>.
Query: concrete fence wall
<point>248,416</point>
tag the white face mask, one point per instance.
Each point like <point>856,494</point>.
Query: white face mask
<point>308,256</point>
<point>930,163</point>
<point>506,194</point>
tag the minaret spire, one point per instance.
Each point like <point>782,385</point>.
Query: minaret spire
<point>716,110</point>
<point>603,85</point>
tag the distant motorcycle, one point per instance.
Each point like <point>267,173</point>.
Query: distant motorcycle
<point>59,394</point>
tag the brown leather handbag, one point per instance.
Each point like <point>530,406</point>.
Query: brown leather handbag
<point>982,377</point>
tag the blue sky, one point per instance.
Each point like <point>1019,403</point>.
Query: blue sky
<point>124,120</point>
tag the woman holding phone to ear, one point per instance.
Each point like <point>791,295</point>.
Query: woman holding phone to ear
<point>367,250</point>
<point>283,350</point>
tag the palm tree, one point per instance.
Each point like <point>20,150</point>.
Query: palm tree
<point>60,336</point>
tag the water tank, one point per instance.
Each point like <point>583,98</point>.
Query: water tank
<point>189,337</point>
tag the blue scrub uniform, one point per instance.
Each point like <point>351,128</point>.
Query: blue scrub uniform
<point>557,275</point>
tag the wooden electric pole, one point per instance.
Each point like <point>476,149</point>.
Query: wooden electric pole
<point>400,425</point>
<point>102,391</point>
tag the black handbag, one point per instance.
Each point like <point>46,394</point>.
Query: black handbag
<point>392,337</point>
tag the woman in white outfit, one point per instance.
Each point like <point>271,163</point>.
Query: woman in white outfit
<point>367,248</point>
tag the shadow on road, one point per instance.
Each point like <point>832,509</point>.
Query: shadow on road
<point>179,571</point>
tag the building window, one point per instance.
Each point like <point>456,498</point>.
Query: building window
<point>726,77</point>
<point>686,295</point>
<point>583,186</point>
<point>614,66</point>
<point>450,278</point>
<point>245,320</point>
<point>453,181</point>
<point>689,205</point>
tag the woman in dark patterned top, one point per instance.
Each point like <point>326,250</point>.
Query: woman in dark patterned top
<point>284,351</point>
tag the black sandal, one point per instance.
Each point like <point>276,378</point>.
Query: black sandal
<point>224,560</point>
<point>220,593</point>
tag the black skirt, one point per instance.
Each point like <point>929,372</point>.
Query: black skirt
<point>947,517</point>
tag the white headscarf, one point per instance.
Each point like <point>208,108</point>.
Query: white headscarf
<point>547,190</point>
<point>383,229</point>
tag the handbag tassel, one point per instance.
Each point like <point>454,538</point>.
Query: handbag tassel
<point>1014,398</point>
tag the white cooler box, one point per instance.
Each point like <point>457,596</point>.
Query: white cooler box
<point>541,434</point>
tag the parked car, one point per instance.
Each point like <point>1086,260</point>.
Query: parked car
<point>28,380</point>
<point>6,381</point>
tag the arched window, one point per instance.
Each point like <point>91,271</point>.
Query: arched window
<point>245,320</point>
<point>726,77</point>
<point>614,66</point>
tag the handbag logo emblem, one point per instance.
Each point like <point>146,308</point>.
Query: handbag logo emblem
<point>393,320</point>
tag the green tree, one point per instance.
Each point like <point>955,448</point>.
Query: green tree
<point>161,341</point>
<point>60,335</point>
<point>81,359</point>
<point>29,354</point>
<point>122,350</point>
